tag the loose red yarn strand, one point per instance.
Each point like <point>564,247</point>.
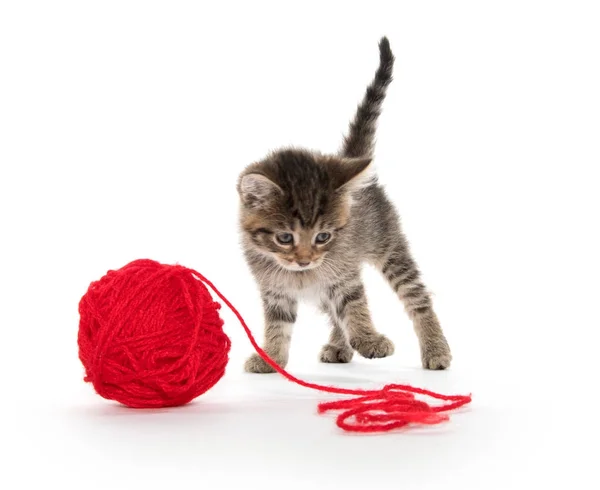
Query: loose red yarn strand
<point>391,407</point>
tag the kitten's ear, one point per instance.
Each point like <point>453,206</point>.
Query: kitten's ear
<point>354,173</point>
<point>256,190</point>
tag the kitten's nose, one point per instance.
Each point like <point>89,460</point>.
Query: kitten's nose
<point>303,264</point>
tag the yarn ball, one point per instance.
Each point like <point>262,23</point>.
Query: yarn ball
<point>150,336</point>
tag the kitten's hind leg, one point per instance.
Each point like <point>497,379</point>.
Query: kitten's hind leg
<point>348,304</point>
<point>401,271</point>
<point>280,315</point>
<point>338,349</point>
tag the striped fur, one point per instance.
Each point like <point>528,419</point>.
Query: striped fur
<point>303,194</point>
<point>360,140</point>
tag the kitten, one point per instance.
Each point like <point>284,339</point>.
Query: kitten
<point>309,221</point>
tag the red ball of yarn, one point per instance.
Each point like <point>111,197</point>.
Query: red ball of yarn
<point>150,336</point>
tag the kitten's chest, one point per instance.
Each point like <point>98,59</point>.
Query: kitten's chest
<point>310,294</point>
<point>306,288</point>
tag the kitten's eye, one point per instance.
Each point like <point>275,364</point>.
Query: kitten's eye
<point>285,238</point>
<point>323,237</point>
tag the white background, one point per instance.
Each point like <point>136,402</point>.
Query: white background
<point>123,127</point>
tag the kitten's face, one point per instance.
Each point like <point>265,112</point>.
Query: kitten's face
<point>295,205</point>
<point>293,244</point>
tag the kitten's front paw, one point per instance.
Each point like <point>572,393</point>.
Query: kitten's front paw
<point>436,355</point>
<point>256,364</point>
<point>373,347</point>
<point>334,354</point>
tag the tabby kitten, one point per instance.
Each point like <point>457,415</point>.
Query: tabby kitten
<point>309,221</point>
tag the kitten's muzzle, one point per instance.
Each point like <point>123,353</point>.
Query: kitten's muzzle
<point>298,265</point>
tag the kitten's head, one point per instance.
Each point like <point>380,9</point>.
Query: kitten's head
<point>296,203</point>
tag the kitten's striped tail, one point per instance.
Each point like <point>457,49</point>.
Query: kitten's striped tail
<point>360,140</point>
